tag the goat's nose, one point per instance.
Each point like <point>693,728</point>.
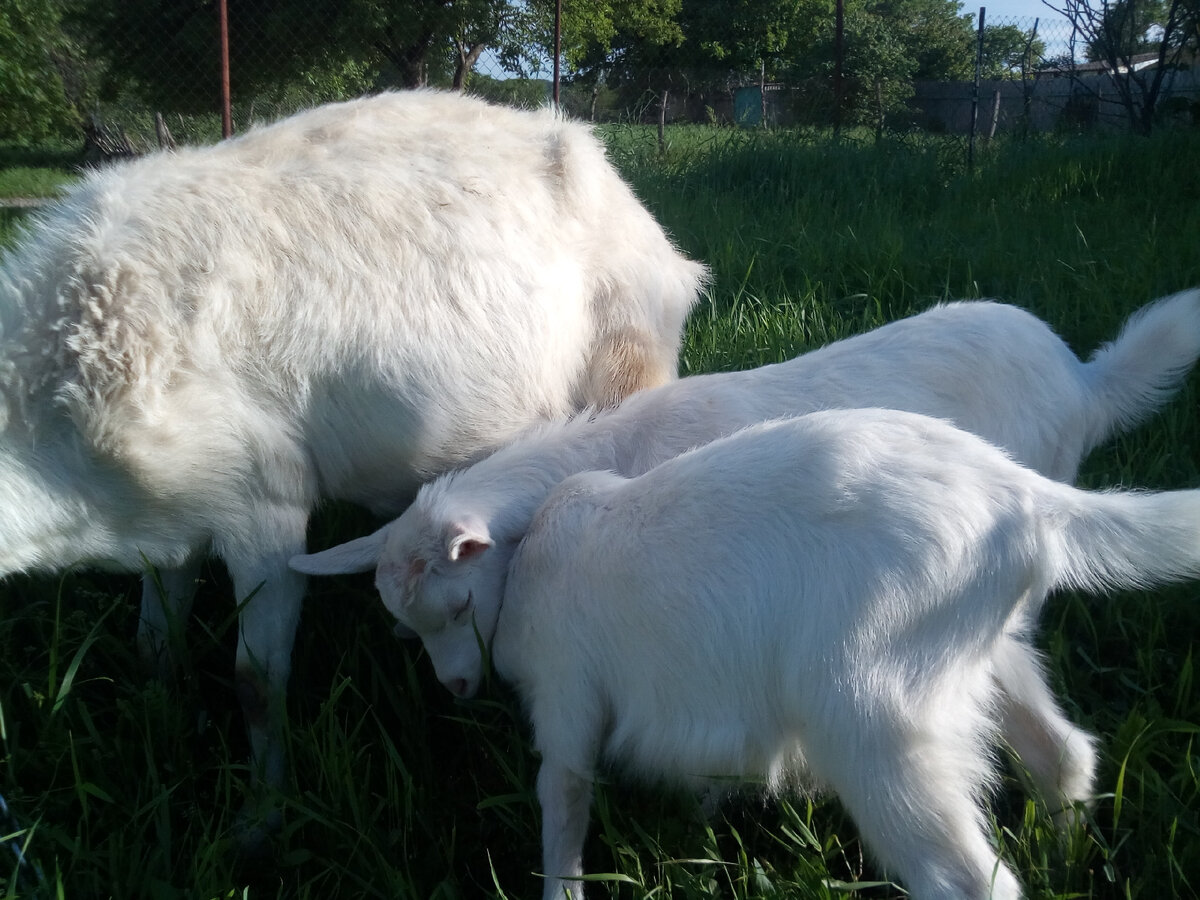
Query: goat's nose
<point>457,686</point>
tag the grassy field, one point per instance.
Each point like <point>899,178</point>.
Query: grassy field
<point>128,788</point>
<point>26,173</point>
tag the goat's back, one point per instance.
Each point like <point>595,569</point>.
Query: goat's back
<point>418,266</point>
<point>713,604</point>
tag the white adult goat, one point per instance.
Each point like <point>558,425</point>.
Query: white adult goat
<point>825,599</point>
<point>991,368</point>
<point>196,347</point>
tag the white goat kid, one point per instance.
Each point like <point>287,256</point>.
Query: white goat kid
<point>993,369</point>
<point>196,347</point>
<point>824,599</point>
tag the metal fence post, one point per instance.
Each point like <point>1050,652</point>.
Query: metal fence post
<point>839,38</point>
<point>226,101</point>
<point>975,93</point>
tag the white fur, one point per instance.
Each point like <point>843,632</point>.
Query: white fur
<point>993,369</point>
<point>196,347</point>
<point>826,600</point>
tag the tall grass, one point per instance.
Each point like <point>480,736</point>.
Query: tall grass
<point>900,222</point>
<point>129,788</point>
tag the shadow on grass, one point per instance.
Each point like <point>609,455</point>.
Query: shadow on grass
<point>67,159</point>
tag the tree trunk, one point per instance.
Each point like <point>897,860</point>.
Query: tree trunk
<point>467,57</point>
<point>879,105</point>
<point>409,60</point>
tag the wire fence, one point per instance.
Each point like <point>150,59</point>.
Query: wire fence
<point>1038,86</point>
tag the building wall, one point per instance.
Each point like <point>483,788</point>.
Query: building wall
<point>1046,103</point>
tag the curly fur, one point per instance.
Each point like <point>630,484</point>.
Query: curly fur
<point>195,347</point>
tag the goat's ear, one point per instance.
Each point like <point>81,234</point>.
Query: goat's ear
<point>359,555</point>
<point>467,539</point>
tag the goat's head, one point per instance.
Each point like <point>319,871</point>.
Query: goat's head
<point>443,580</point>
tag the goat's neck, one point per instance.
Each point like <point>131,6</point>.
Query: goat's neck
<point>506,488</point>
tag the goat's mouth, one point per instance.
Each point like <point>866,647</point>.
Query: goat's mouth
<point>403,632</point>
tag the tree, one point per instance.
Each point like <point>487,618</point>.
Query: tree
<point>165,51</point>
<point>755,36</point>
<point>722,44</point>
<point>877,69</point>
<point>593,33</point>
<point>1010,52</point>
<point>889,44</point>
<point>34,104</point>
<point>629,46</point>
<point>621,45</point>
<point>1129,25</point>
<point>937,36</point>
<point>1115,33</point>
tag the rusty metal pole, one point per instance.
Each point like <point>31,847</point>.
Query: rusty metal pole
<point>226,103</point>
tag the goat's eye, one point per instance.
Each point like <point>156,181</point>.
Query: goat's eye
<point>460,613</point>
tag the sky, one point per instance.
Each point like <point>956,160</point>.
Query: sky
<point>1053,29</point>
<point>1008,9</point>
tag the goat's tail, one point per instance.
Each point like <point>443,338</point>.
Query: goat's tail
<point>1133,375</point>
<point>1125,539</point>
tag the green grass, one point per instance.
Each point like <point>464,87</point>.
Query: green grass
<point>35,173</point>
<point>129,788</point>
<point>30,174</point>
<point>32,182</point>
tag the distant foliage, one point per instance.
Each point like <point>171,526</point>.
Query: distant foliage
<point>527,93</point>
<point>1010,52</point>
<point>33,98</point>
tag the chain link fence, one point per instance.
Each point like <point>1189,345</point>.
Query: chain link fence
<point>1032,85</point>
<point>1051,89</point>
<point>1038,86</point>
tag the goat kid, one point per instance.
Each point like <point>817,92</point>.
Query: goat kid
<point>824,600</point>
<point>993,369</point>
<point>196,347</point>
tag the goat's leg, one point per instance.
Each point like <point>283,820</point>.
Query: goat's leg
<point>1060,758</point>
<point>565,798</point>
<point>270,595</point>
<point>167,596</point>
<point>911,771</point>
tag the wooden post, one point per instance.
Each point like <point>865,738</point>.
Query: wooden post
<point>163,133</point>
<point>662,122</point>
<point>995,114</point>
<point>762,93</point>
